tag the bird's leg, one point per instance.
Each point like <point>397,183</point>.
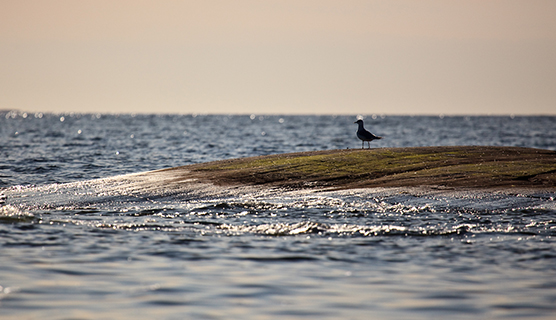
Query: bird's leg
<point>362,144</point>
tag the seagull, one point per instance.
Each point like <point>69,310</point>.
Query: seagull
<point>365,135</point>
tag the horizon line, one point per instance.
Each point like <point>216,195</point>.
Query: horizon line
<point>374,114</point>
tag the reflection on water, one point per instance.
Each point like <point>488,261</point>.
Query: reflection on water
<point>85,235</point>
<point>378,253</point>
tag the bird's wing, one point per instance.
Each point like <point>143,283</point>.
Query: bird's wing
<point>368,135</point>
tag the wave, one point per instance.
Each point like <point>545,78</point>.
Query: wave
<point>161,201</point>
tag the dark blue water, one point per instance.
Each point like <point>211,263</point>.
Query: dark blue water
<point>84,237</point>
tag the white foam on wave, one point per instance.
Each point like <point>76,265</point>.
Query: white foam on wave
<point>280,229</point>
<point>122,190</point>
<point>177,188</point>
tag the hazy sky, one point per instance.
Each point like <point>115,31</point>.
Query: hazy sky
<point>262,56</point>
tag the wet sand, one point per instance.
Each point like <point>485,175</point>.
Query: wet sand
<point>451,167</point>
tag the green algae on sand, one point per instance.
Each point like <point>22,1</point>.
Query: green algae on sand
<point>451,166</point>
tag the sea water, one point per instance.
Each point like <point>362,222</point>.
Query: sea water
<point>76,243</point>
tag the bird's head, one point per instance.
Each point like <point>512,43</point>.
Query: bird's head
<point>359,121</point>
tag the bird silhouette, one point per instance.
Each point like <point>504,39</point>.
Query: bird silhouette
<point>365,135</point>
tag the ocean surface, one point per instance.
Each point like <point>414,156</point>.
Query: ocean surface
<point>79,240</point>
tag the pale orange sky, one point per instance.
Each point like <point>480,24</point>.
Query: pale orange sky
<point>322,56</point>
